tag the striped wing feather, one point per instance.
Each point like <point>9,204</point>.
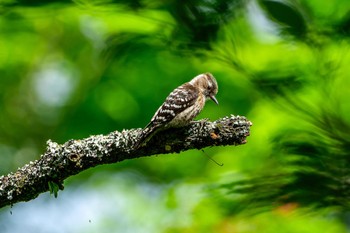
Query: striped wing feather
<point>178,101</point>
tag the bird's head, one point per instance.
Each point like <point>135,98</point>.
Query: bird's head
<point>207,85</point>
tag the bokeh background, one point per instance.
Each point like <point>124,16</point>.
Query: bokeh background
<point>71,69</point>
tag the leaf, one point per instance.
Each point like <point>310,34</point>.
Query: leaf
<point>53,188</point>
<point>286,14</point>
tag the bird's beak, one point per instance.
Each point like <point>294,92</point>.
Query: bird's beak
<point>214,99</point>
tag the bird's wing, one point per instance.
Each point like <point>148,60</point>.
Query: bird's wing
<point>178,100</point>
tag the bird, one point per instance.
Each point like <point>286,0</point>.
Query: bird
<point>181,106</point>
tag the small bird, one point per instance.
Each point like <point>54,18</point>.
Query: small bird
<point>181,106</point>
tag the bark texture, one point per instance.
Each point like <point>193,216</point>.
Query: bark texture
<point>62,161</point>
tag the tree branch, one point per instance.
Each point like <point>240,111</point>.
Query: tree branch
<point>74,156</point>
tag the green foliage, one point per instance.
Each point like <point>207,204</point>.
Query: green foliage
<point>53,188</point>
<point>288,15</point>
<point>70,69</point>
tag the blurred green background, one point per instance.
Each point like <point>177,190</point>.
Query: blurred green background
<point>70,69</point>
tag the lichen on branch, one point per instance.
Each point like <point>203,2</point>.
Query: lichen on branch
<point>62,161</point>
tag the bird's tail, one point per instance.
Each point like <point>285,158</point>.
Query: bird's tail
<point>146,134</point>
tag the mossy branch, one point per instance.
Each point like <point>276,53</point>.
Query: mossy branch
<point>62,161</point>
